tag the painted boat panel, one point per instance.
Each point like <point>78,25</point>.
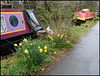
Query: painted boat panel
<point>84,15</point>
<point>10,28</point>
<point>21,28</point>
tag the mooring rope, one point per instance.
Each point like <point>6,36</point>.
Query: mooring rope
<point>8,41</point>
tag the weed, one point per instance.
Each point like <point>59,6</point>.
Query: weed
<point>48,60</point>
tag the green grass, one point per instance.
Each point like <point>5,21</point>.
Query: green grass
<point>48,60</point>
<point>7,66</point>
<point>81,30</point>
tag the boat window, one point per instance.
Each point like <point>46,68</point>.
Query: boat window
<point>89,14</point>
<point>77,15</point>
<point>13,20</point>
<point>34,18</point>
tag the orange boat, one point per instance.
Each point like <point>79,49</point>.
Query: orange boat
<point>82,16</point>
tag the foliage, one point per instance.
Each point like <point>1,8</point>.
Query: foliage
<point>58,41</point>
<point>11,68</point>
<point>68,44</point>
<point>31,54</point>
<point>91,10</point>
<point>73,38</point>
<point>80,30</point>
<point>48,60</point>
<point>95,19</point>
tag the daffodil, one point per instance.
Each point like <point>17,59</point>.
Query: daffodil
<point>62,35</point>
<point>15,45</point>
<point>48,36</point>
<point>55,52</point>
<point>20,44</point>
<point>45,47</point>
<point>30,43</point>
<point>45,50</point>
<point>25,40</point>
<point>68,41</point>
<point>41,50</point>
<point>38,47</point>
<point>26,51</point>
<point>58,35</point>
<point>52,39</point>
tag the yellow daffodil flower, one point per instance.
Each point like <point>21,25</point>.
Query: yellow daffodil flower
<point>41,50</point>
<point>25,40</point>
<point>45,50</point>
<point>26,51</point>
<point>20,44</point>
<point>55,52</point>
<point>49,36</point>
<point>30,43</point>
<point>52,39</point>
<point>62,35</point>
<point>45,47</point>
<point>58,35</point>
<point>15,45</point>
<point>68,41</point>
<point>38,47</point>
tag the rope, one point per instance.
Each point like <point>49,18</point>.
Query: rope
<point>8,41</point>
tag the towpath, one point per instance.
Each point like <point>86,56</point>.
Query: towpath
<point>84,59</point>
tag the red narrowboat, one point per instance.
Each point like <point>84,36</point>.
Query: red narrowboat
<point>17,24</point>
